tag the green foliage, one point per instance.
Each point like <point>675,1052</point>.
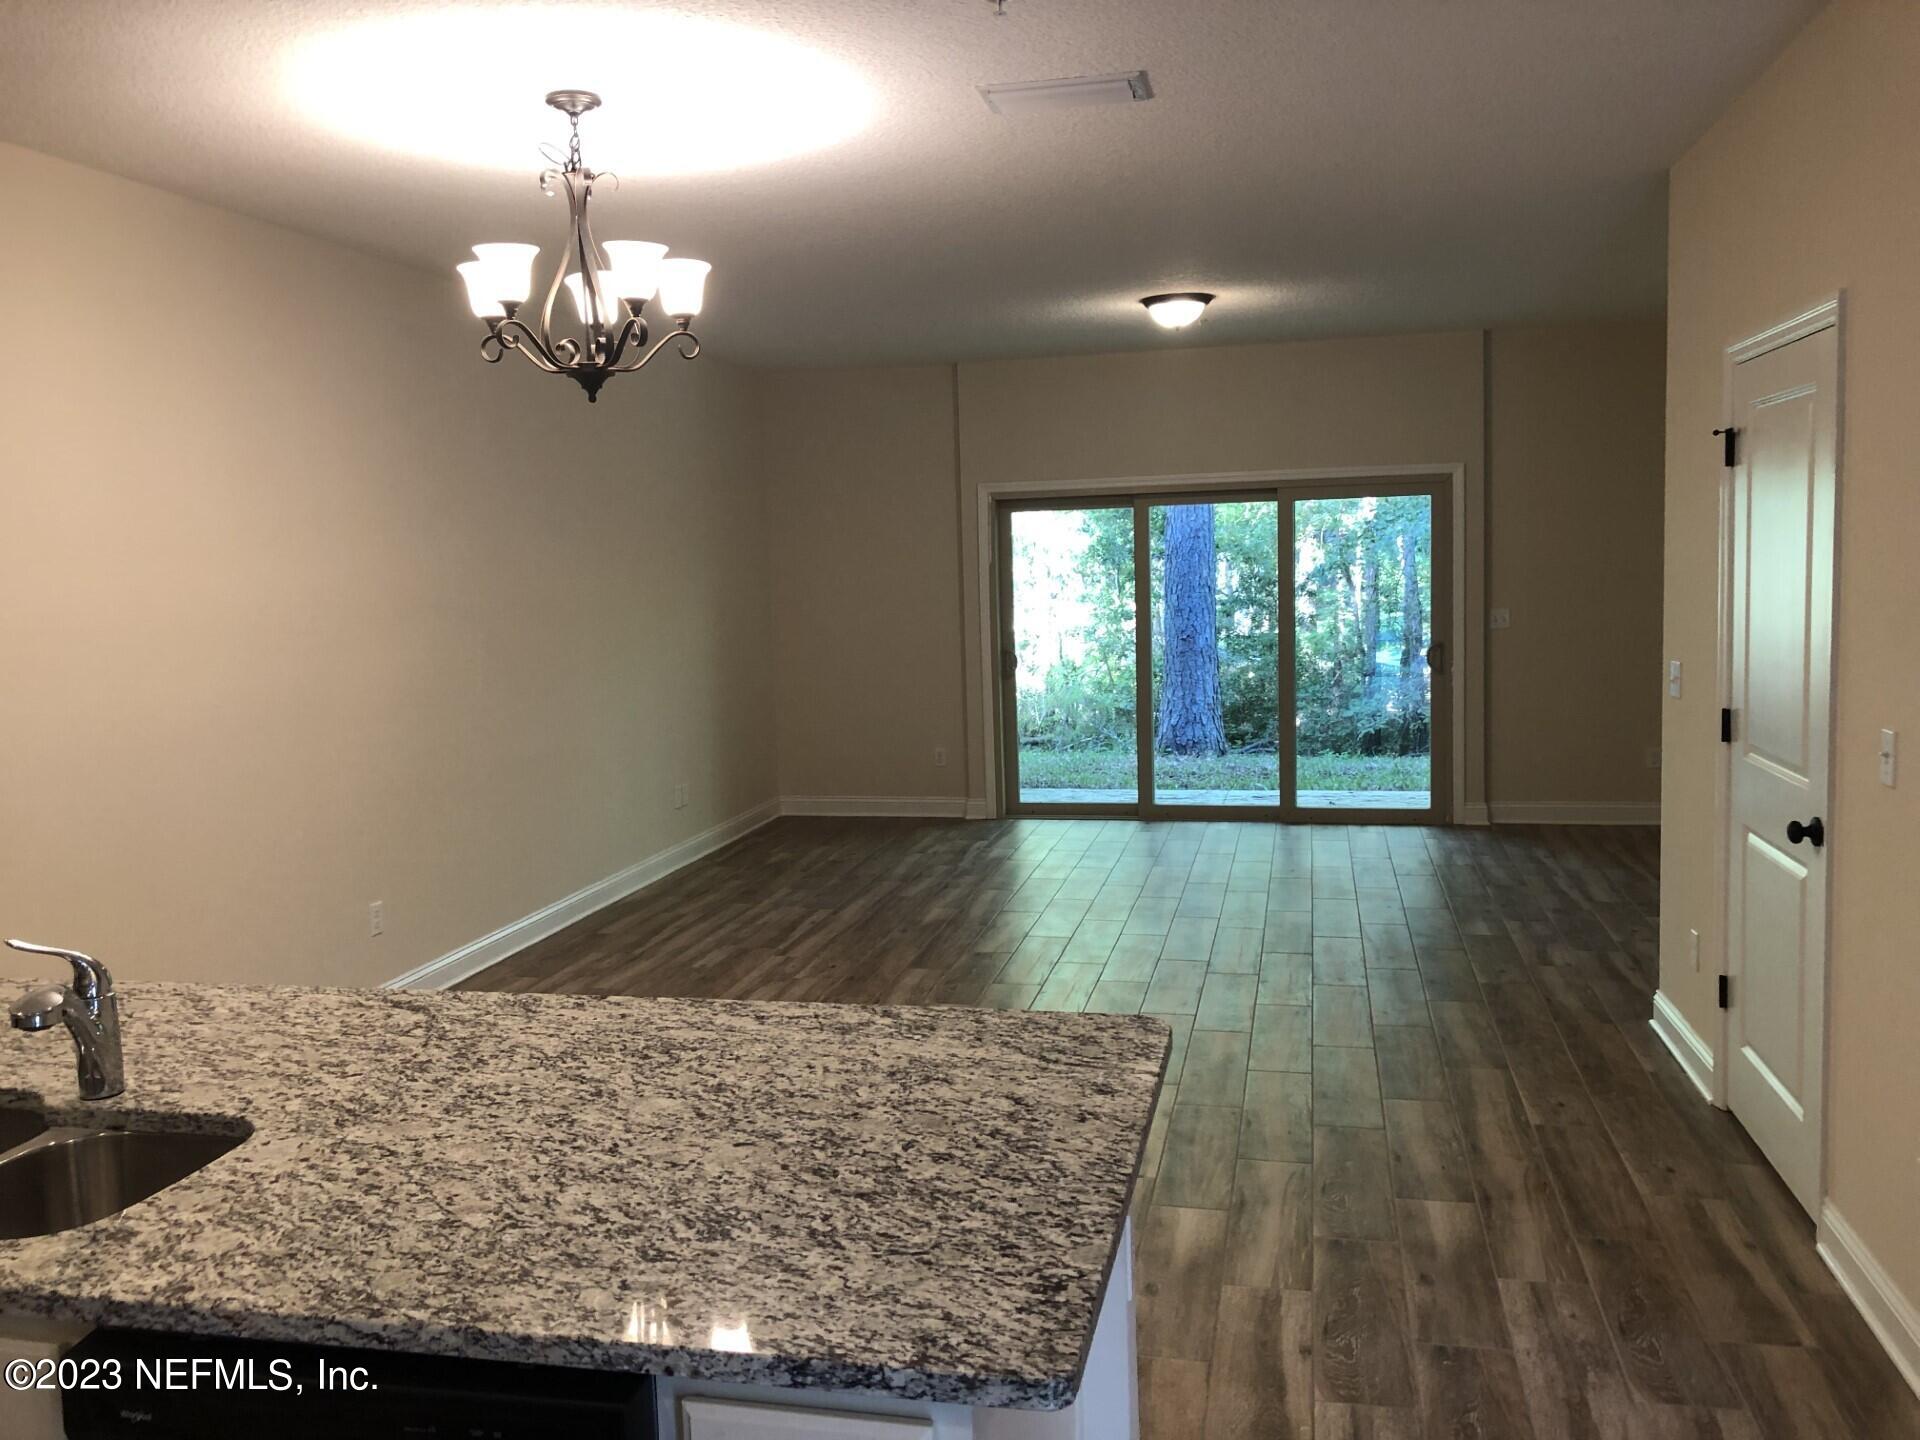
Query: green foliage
<point>1352,559</point>
<point>1246,605</point>
<point>1112,768</point>
<point>1350,571</point>
<point>1078,706</point>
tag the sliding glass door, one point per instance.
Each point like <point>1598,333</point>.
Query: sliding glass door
<point>1214,592</point>
<point>1362,629</point>
<point>1069,691</point>
<point>1158,658</point>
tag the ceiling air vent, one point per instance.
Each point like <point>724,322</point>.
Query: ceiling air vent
<point>1030,97</point>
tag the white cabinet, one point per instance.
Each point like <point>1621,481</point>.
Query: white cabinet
<point>705,1418</point>
<point>32,1414</point>
<point>1107,1407</point>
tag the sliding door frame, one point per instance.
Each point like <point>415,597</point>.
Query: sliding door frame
<point>1151,808</point>
<point>1447,483</point>
<point>1004,671</point>
<point>1441,631</point>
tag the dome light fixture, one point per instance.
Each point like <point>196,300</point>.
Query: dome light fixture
<point>610,284</point>
<point>1178,310</point>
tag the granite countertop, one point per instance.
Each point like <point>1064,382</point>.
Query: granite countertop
<point>920,1201</point>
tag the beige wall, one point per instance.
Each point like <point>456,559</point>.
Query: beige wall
<point>867,572</point>
<point>858,461</point>
<point>1575,447</point>
<point>358,618</point>
<point>302,606</point>
<point>1402,400</point>
<point>1810,184</point>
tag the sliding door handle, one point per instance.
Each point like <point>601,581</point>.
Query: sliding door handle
<point>1437,657</point>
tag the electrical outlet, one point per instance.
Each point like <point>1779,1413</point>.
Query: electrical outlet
<point>1673,678</point>
<point>376,919</point>
<point>680,796</point>
<point>1693,949</point>
<point>1653,757</point>
<point>1499,619</point>
<point>940,755</point>
<point>1889,756</point>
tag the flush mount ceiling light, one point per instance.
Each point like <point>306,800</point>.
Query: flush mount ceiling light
<point>610,284</point>
<point>1178,310</point>
<point>426,83</point>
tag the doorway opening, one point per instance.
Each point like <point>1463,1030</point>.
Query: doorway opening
<point>1263,652</point>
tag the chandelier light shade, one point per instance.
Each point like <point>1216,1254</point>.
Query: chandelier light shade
<point>583,302</point>
<point>509,270</point>
<point>683,285</point>
<point>480,291</point>
<point>610,285</point>
<point>636,267</point>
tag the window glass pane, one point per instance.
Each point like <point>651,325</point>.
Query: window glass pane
<point>1216,653</point>
<point>1073,624</point>
<point>1363,618</point>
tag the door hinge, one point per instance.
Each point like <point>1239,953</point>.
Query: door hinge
<point>1728,454</point>
<point>1726,726</point>
<point>1723,992</point>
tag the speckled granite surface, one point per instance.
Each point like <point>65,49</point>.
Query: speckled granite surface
<point>918,1201</point>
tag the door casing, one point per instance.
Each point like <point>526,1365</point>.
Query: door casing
<point>1828,314</point>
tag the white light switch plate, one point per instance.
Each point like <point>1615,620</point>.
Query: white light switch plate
<point>1673,678</point>
<point>1889,756</point>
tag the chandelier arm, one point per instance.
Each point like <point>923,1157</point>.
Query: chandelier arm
<point>634,332</point>
<point>547,177</point>
<point>685,354</point>
<point>590,261</point>
<point>517,335</point>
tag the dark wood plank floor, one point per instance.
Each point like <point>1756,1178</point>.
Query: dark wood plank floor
<point>1421,1167</point>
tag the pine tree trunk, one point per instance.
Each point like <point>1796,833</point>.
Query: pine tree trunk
<point>1369,609</point>
<point>1413,643</point>
<point>1190,721</point>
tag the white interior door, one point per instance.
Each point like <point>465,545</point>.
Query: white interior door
<point>1781,614</point>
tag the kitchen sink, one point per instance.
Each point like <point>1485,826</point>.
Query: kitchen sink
<point>70,1177</point>
<point>17,1127</point>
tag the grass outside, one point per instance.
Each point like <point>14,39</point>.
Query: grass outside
<point>1047,769</point>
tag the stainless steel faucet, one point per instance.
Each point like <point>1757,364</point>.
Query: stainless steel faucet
<point>89,1009</point>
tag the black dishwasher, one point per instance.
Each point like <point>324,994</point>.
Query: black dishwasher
<point>148,1385</point>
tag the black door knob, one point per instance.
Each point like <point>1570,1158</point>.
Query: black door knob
<point>1814,830</point>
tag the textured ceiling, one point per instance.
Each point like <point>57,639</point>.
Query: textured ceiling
<point>1326,166</point>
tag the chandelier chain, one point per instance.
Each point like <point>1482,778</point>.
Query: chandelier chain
<point>573,143</point>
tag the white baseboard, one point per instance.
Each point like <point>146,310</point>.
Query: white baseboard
<point>476,955</point>
<point>933,807</point>
<point>1693,1053</point>
<point>978,810</point>
<point>1569,812</point>
<point>1889,1314</point>
<point>1470,814</point>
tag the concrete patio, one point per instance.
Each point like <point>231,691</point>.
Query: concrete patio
<point>1309,799</point>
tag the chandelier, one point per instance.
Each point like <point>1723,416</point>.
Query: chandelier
<point>610,285</point>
